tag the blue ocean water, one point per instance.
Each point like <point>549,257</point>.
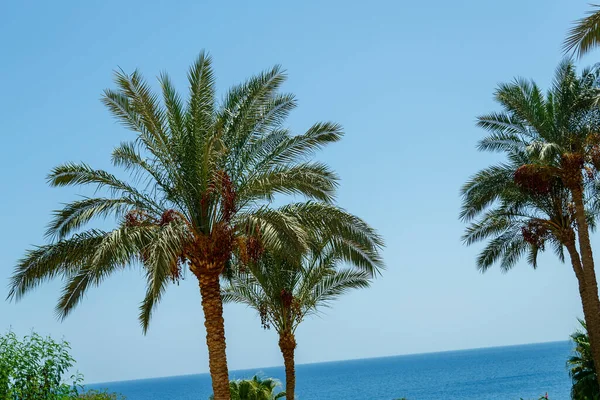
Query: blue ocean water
<point>500,373</point>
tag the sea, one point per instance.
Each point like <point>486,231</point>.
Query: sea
<point>498,373</point>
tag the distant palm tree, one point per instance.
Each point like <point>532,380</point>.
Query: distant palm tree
<point>546,192</point>
<point>284,290</point>
<point>584,36</point>
<point>582,369</point>
<point>202,176</point>
<point>254,389</point>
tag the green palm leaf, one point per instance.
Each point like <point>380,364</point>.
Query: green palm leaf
<point>585,34</point>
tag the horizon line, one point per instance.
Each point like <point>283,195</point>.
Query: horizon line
<point>258,369</point>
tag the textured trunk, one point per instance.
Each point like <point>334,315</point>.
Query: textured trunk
<point>212,305</point>
<point>583,234</point>
<point>287,344</point>
<point>590,305</point>
<point>573,179</point>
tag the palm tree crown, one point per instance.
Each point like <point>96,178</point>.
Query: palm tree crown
<point>200,174</point>
<point>525,203</point>
<point>517,222</point>
<point>285,290</point>
<point>284,287</point>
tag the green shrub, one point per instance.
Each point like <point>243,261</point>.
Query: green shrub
<point>35,367</point>
<point>254,389</point>
<point>581,367</point>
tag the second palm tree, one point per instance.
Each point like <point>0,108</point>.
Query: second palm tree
<point>284,290</point>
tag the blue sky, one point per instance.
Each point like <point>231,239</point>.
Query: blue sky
<point>405,78</point>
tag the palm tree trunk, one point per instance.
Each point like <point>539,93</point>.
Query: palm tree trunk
<point>210,289</point>
<point>583,234</point>
<point>590,304</point>
<point>287,344</point>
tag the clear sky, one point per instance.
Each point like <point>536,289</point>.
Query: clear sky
<point>405,78</point>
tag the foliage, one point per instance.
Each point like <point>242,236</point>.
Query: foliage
<point>584,36</point>
<point>285,289</point>
<point>201,177</point>
<point>34,368</point>
<point>254,389</point>
<point>581,367</point>
<point>523,205</point>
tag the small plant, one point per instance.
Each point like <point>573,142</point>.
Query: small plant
<point>254,389</point>
<point>581,367</point>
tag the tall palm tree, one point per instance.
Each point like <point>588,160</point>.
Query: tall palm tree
<point>546,191</point>
<point>284,289</point>
<point>254,389</point>
<point>581,367</point>
<point>584,36</point>
<point>201,176</point>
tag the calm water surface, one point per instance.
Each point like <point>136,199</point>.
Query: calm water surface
<point>505,373</point>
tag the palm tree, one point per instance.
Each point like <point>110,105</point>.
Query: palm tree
<point>584,36</point>
<point>582,369</point>
<point>254,389</point>
<point>545,193</point>
<point>202,174</point>
<point>284,289</point>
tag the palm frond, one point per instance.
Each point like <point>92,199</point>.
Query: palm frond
<point>200,110</point>
<point>484,188</point>
<point>300,147</point>
<point>117,250</point>
<point>127,156</point>
<point>162,257</point>
<point>175,111</point>
<point>145,104</point>
<point>279,229</point>
<point>242,290</point>
<point>330,221</point>
<point>492,223</point>
<point>134,105</point>
<point>243,108</point>
<point>585,34</point>
<point>78,213</point>
<point>82,174</point>
<point>524,101</point>
<point>312,180</point>
<point>334,285</point>
<point>46,262</point>
<point>505,248</point>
